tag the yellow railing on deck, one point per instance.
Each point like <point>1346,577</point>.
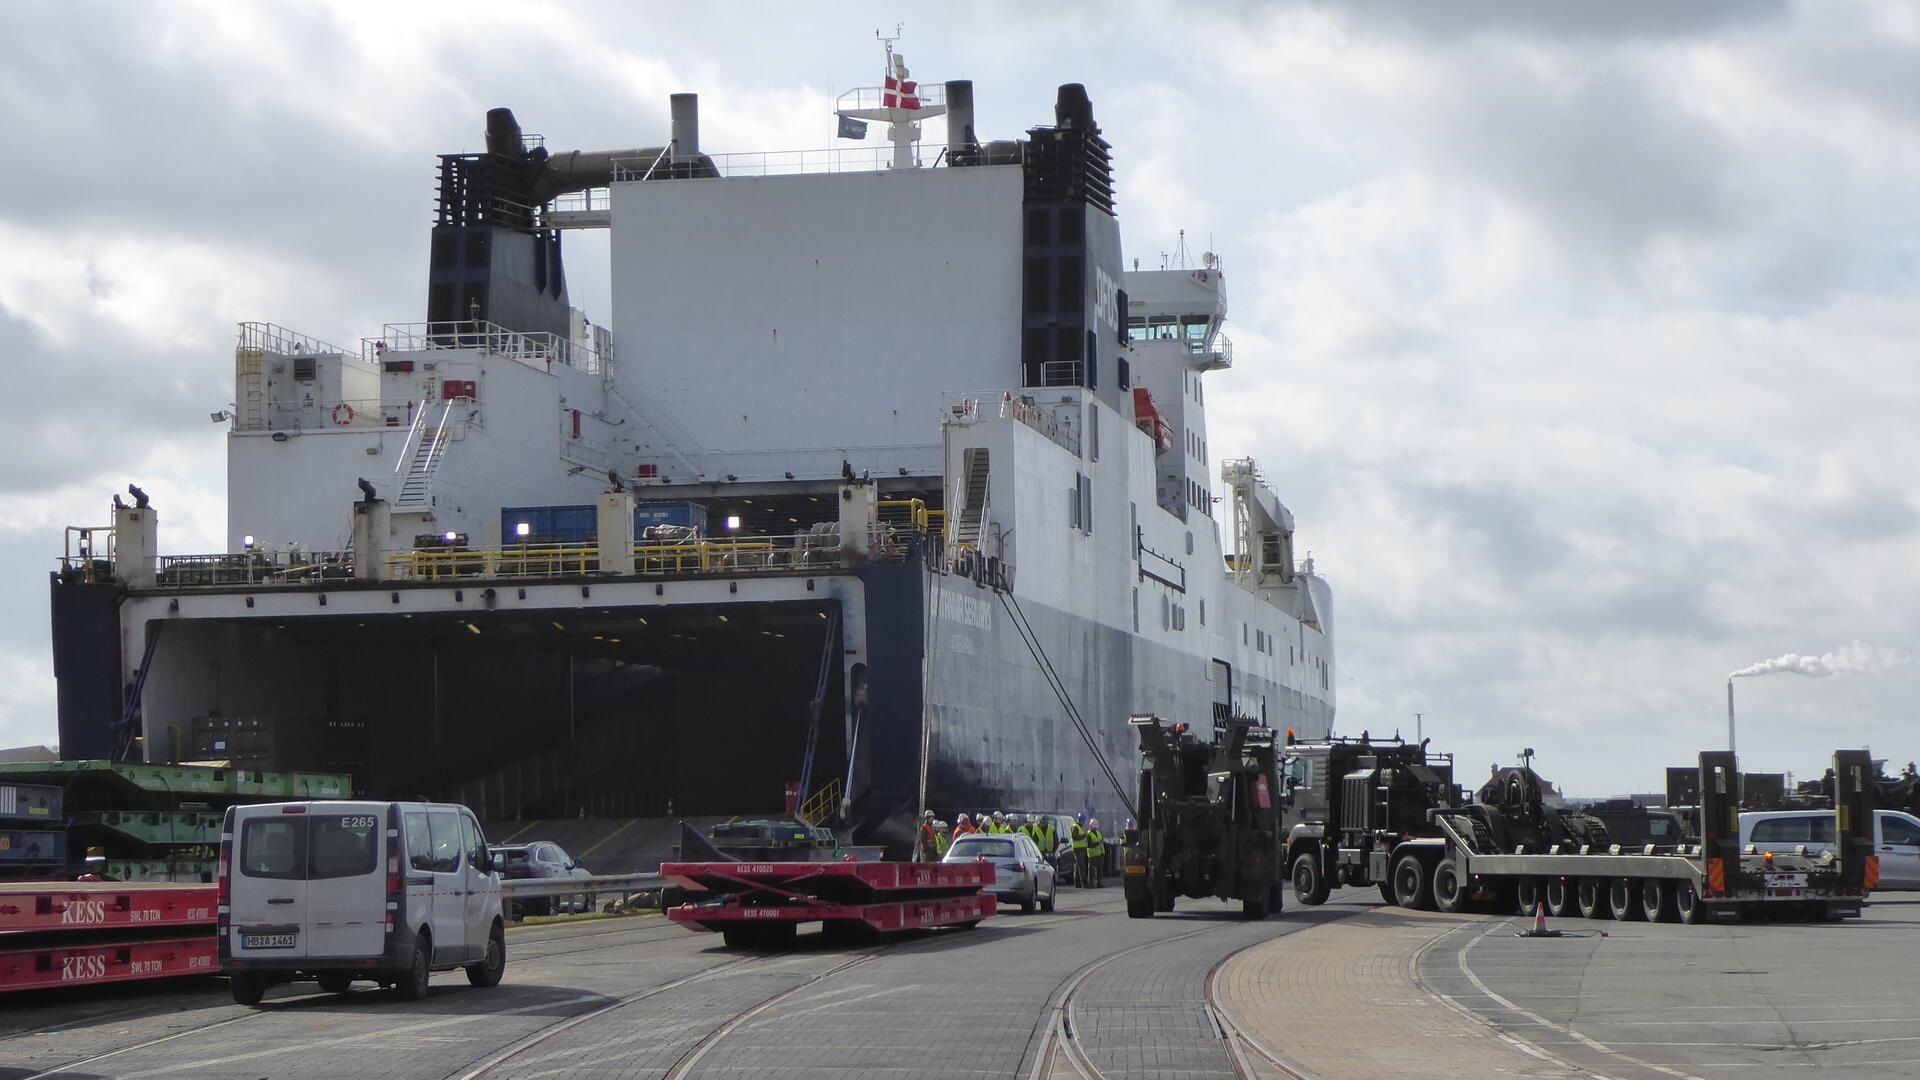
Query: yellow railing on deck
<point>820,807</point>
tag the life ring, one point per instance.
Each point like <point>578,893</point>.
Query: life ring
<point>342,414</point>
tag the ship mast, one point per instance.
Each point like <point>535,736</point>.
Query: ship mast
<point>899,102</point>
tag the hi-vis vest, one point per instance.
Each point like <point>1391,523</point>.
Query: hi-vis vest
<point>1078,837</point>
<point>1096,844</point>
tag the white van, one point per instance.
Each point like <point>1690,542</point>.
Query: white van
<point>340,891</point>
<point>1896,839</point>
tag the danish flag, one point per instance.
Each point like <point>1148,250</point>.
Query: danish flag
<point>901,93</point>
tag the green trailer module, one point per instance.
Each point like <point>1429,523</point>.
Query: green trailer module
<point>1495,852</point>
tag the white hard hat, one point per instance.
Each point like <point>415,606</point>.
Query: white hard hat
<point>998,816</point>
<point>964,819</point>
<point>939,824</point>
<point>1094,824</point>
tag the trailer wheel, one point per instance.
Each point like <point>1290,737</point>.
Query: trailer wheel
<point>1593,899</point>
<point>1687,902</point>
<point>1410,883</point>
<point>1448,895</point>
<point>1310,884</point>
<point>1623,896</point>
<point>1656,900</point>
<point>1529,893</point>
<point>1560,898</point>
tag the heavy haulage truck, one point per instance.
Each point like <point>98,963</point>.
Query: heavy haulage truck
<point>1388,815</point>
<point>1209,819</point>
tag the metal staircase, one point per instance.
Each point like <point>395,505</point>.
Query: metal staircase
<point>420,458</point>
<point>973,512</point>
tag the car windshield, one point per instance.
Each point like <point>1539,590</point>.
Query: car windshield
<point>983,849</point>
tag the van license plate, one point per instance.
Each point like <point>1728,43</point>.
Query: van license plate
<point>266,941</point>
<point>1786,881</point>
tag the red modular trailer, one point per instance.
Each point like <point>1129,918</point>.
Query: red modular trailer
<point>73,906</point>
<point>762,903</point>
<point>48,966</point>
<point>68,933</point>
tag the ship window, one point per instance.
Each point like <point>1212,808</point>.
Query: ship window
<point>442,250</point>
<point>1136,609</point>
<point>1166,613</point>
<point>477,248</point>
<point>1072,285</point>
<point>1126,374</point>
<point>1120,305</point>
<point>1203,613</point>
<point>1036,285</point>
<point>1039,227</point>
<point>1189,541</point>
<point>1093,361</point>
<point>1073,225</point>
<point>1086,504</point>
<point>1290,654</point>
<point>1243,633</point>
<point>1093,432</point>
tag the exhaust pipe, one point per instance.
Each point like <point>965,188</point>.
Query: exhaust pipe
<point>960,135</point>
<point>685,109</point>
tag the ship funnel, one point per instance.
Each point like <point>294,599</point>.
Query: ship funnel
<point>960,136</point>
<point>686,126</point>
<point>503,132</point>
<point>1072,108</point>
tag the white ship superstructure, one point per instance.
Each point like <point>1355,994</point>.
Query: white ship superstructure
<point>894,485</point>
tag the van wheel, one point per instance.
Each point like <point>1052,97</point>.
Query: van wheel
<point>413,981</point>
<point>491,967</point>
<point>248,988</point>
<point>335,982</point>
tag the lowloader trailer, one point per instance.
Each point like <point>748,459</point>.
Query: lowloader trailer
<point>1478,853</point>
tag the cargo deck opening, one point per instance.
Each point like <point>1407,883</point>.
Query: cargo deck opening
<point>615,712</point>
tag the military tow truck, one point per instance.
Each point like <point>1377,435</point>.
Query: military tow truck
<point>1209,818</point>
<point>1349,805</point>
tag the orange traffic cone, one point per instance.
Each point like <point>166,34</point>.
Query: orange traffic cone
<point>1539,924</point>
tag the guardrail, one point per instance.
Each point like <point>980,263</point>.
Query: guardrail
<point>538,888</point>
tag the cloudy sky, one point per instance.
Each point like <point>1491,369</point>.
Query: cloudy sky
<point>1581,338</point>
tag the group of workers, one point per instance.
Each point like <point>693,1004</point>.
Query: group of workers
<point>1082,858</point>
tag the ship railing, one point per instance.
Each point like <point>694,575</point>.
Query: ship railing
<point>973,406</point>
<point>929,95</point>
<point>537,350</point>
<point>1220,352</point>
<point>796,551</point>
<point>272,338</point>
<point>322,414</point>
<point>88,557</point>
<point>260,567</point>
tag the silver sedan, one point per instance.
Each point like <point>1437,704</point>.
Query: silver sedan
<point>1021,875</point>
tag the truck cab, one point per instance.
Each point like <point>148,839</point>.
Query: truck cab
<point>1348,804</point>
<point>346,890</point>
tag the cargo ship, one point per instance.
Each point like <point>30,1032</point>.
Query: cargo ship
<point>892,492</point>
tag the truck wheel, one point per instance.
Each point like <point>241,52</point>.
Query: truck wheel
<point>1410,883</point>
<point>1448,894</point>
<point>1687,902</point>
<point>1656,900</point>
<point>1254,909</point>
<point>1386,893</point>
<point>248,987</point>
<point>494,964</point>
<point>1560,898</point>
<point>736,937</point>
<point>1139,907</point>
<point>1309,883</point>
<point>1528,894</point>
<point>1624,897</point>
<point>1593,899</point>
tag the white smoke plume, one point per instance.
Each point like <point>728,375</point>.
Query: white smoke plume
<point>1857,658</point>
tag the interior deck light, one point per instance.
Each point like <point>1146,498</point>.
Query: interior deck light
<point>522,529</point>
<point>733,522</point>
